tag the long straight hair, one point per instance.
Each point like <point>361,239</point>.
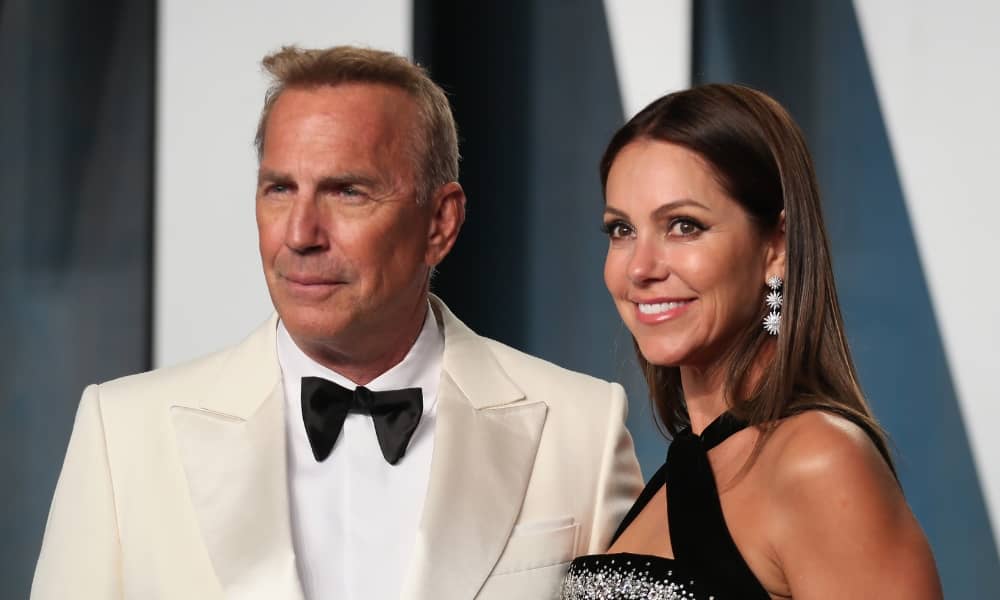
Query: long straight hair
<point>759,157</point>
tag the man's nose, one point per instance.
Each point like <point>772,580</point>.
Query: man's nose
<point>305,231</point>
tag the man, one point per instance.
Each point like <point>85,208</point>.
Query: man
<point>363,443</point>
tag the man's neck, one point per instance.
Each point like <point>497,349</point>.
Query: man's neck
<point>363,369</point>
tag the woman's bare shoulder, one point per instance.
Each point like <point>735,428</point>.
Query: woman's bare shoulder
<point>817,444</point>
<point>839,509</point>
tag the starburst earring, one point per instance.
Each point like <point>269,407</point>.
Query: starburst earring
<point>772,322</point>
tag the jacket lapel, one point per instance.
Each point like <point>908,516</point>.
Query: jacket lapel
<point>233,448</point>
<point>231,440</point>
<point>484,451</point>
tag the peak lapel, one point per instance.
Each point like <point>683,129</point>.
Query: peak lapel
<point>479,473</point>
<point>232,447</point>
<point>484,451</point>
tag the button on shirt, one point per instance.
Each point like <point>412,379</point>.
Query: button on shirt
<point>355,516</point>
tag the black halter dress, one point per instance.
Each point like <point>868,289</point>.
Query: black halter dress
<point>707,564</point>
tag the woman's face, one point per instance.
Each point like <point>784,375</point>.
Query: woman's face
<point>686,267</point>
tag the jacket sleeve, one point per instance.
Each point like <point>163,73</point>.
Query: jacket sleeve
<point>619,480</point>
<point>81,553</point>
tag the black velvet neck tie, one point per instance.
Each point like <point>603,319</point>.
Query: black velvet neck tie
<point>325,405</point>
<point>698,532</point>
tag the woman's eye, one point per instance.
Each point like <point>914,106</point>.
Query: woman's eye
<point>617,230</point>
<point>685,227</point>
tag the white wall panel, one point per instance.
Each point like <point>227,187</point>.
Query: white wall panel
<point>209,290</point>
<point>651,41</point>
<point>935,66</point>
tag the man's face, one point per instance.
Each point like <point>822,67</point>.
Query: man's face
<point>343,241</point>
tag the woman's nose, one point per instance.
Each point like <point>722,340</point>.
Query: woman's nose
<point>647,263</point>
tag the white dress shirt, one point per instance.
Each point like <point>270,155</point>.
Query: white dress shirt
<point>355,516</point>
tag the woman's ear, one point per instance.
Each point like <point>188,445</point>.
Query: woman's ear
<point>776,246</point>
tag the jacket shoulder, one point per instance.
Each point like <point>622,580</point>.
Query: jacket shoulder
<point>251,359</point>
<point>537,374</point>
<point>181,375</point>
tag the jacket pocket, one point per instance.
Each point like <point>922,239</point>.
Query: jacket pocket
<point>539,544</point>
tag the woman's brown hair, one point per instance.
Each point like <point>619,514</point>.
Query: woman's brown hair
<point>760,159</point>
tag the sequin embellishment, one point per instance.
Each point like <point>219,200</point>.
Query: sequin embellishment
<point>607,578</point>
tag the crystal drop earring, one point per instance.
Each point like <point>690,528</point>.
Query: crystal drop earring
<point>772,322</point>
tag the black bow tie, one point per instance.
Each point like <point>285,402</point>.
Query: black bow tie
<point>325,405</point>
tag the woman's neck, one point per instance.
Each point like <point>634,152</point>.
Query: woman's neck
<point>705,388</point>
<point>704,395</point>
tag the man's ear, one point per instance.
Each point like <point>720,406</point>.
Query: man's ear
<point>447,207</point>
<point>776,246</point>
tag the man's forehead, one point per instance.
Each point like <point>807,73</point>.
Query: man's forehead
<point>359,98</point>
<point>356,120</point>
<point>370,110</point>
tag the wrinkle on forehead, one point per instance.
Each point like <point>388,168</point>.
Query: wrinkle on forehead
<point>312,121</point>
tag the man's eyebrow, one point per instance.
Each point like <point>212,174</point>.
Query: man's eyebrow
<point>328,182</point>
<point>342,179</point>
<point>272,176</point>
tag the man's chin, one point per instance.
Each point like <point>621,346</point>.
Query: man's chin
<point>316,332</point>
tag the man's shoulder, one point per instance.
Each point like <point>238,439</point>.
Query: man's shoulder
<point>578,405</point>
<point>252,357</point>
<point>191,371</point>
<point>530,370</point>
<point>530,373</point>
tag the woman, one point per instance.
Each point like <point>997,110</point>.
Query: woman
<point>778,482</point>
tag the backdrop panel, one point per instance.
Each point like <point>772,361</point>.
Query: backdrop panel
<point>76,118</point>
<point>934,67</point>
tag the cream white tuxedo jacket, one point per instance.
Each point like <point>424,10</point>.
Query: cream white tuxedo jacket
<point>174,483</point>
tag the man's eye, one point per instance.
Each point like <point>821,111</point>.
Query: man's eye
<point>351,191</point>
<point>685,227</point>
<point>617,230</point>
<point>277,188</point>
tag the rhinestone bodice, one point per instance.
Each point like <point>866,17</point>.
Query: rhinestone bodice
<point>628,577</point>
<point>707,564</point>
